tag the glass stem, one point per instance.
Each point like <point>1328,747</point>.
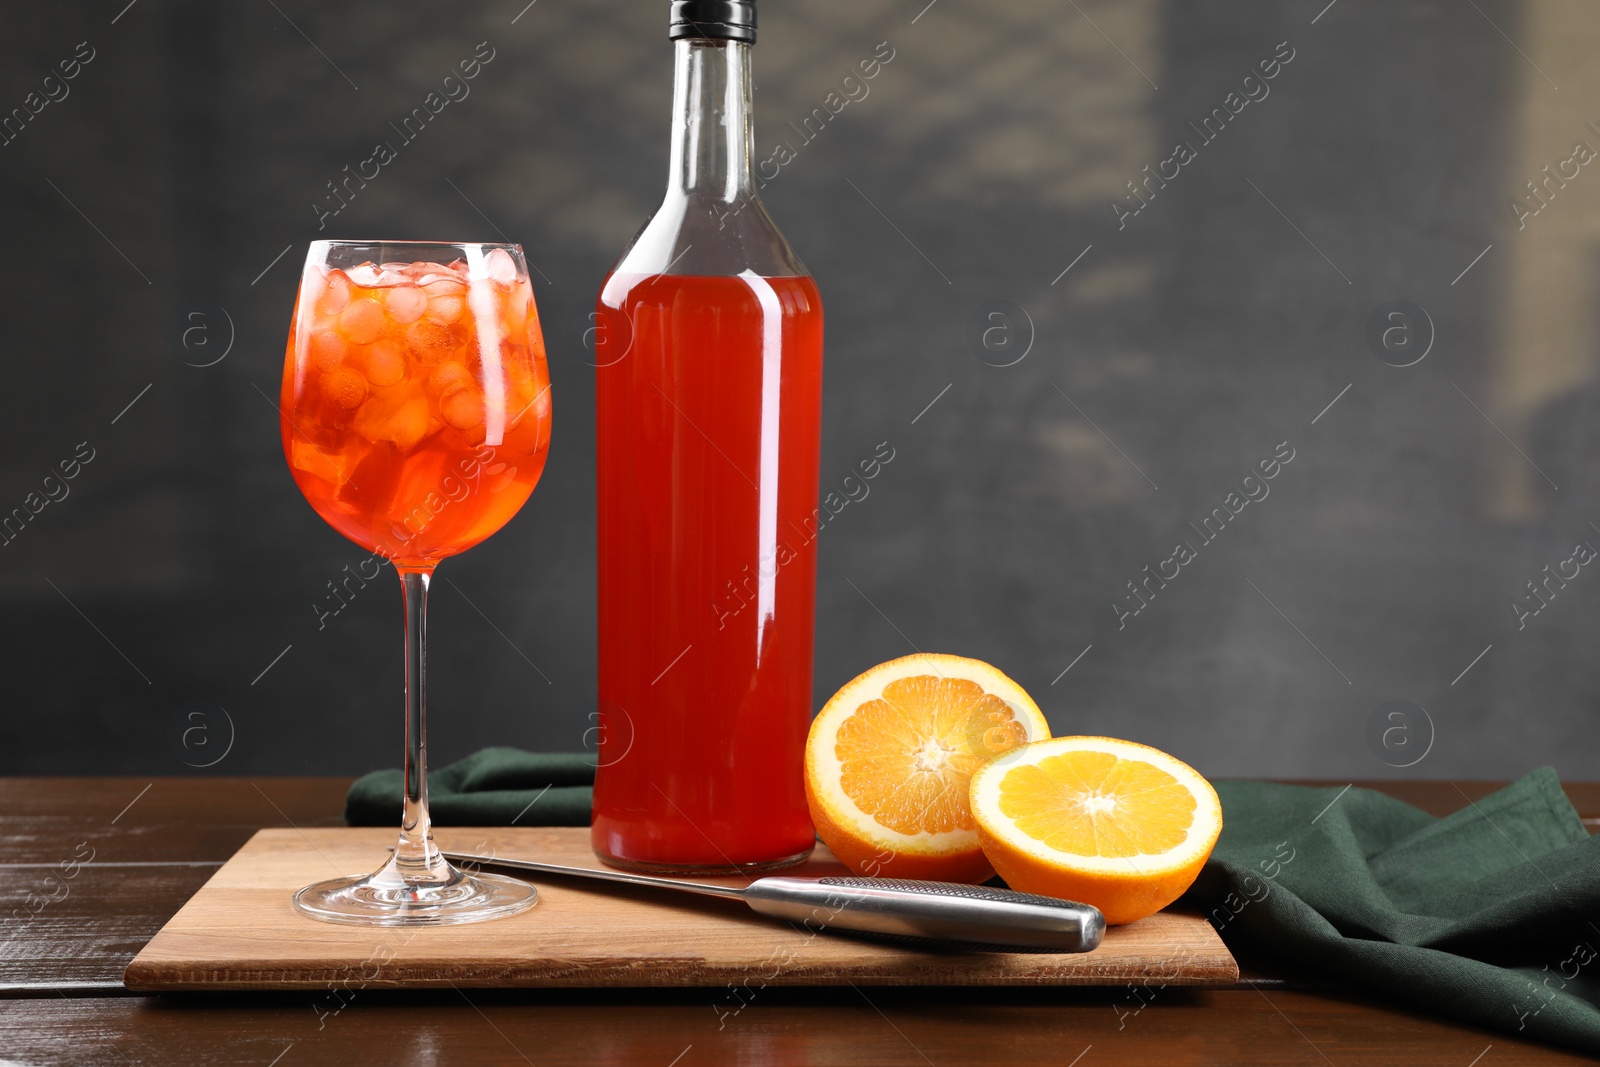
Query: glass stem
<point>416,858</point>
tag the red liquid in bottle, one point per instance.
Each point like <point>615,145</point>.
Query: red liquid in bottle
<point>708,394</point>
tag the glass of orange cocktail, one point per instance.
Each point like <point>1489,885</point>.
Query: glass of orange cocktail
<point>416,421</point>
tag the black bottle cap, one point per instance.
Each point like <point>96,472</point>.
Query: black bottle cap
<point>729,20</point>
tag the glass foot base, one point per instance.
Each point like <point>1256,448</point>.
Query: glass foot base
<point>704,870</point>
<point>373,900</point>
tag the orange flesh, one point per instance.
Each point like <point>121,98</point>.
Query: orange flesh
<point>1098,804</point>
<point>907,757</point>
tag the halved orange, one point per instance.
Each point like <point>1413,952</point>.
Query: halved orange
<point>890,757</point>
<point>1116,824</point>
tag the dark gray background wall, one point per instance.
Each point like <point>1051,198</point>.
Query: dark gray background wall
<point>141,612</point>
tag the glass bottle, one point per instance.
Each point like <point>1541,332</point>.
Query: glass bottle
<point>708,391</point>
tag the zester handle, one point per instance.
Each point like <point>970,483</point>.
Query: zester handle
<point>939,911</point>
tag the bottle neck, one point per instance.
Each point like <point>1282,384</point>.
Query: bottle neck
<point>712,136</point>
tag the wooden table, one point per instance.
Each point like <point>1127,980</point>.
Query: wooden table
<point>154,842</point>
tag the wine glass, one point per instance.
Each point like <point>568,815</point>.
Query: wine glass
<point>416,421</point>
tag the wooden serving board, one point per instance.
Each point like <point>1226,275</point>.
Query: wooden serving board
<point>240,932</point>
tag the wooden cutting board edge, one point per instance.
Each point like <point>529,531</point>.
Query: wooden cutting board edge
<point>1172,948</point>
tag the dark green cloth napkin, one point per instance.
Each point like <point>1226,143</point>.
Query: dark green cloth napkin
<point>1490,915</point>
<point>494,787</point>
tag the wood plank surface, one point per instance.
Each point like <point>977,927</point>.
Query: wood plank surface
<point>78,934</point>
<point>864,1027</point>
<point>50,1013</point>
<point>240,932</point>
<point>94,866</point>
<point>180,830</point>
<point>155,820</point>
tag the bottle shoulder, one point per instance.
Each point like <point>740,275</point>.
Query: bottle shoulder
<point>708,236</point>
